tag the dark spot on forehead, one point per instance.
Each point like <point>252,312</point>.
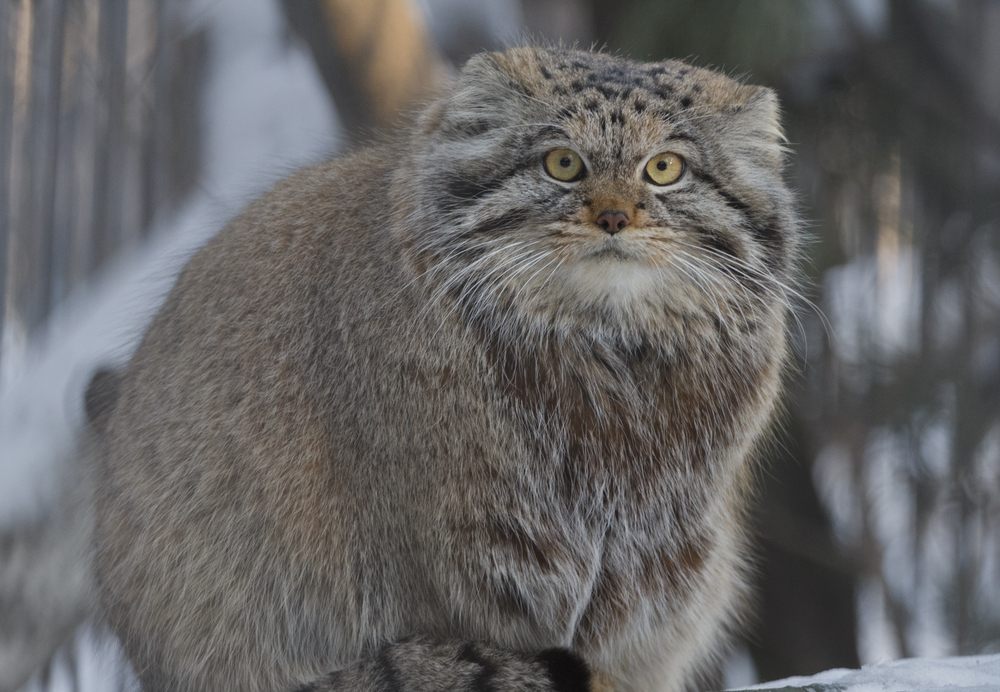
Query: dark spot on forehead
<point>567,112</point>
<point>664,91</point>
<point>638,87</point>
<point>608,92</point>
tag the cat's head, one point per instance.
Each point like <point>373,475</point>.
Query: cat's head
<point>566,188</point>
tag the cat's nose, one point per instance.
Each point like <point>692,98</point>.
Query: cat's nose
<point>612,221</point>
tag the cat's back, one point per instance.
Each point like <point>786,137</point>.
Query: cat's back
<point>260,301</point>
<point>221,442</point>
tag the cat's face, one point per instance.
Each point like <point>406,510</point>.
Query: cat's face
<point>567,187</point>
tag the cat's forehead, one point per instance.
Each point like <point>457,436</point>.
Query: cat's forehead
<point>595,77</point>
<point>591,80</point>
<point>611,102</point>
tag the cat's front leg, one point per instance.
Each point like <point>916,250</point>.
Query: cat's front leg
<point>521,583</point>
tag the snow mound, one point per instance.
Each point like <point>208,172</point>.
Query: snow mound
<point>968,673</point>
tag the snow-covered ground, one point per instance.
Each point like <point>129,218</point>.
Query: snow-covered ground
<point>967,673</point>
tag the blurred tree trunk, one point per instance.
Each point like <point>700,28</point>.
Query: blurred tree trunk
<point>108,198</point>
<point>376,58</point>
<point>806,617</point>
<point>98,132</point>
<point>7,38</point>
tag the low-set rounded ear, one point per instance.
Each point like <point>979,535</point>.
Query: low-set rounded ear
<point>485,80</point>
<point>478,66</point>
<point>762,112</point>
<point>750,123</point>
<point>475,99</point>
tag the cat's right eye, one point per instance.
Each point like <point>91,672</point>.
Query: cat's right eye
<point>565,165</point>
<point>665,169</point>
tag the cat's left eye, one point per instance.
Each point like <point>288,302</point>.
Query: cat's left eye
<point>665,169</point>
<point>565,165</point>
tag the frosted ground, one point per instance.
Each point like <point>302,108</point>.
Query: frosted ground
<point>968,673</point>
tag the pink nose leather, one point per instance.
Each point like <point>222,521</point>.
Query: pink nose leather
<point>612,221</point>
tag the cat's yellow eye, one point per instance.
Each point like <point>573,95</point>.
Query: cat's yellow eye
<point>665,169</point>
<point>565,165</point>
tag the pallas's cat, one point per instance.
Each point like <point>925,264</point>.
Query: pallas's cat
<point>469,408</point>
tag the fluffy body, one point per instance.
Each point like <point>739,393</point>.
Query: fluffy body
<point>415,399</point>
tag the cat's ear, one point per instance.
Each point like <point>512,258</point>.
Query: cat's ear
<point>481,68</point>
<point>759,111</point>
<point>478,98</point>
<point>752,123</point>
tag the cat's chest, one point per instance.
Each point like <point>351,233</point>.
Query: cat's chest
<point>639,514</point>
<point>629,470</point>
<point>652,557</point>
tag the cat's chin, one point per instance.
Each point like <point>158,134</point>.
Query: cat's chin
<point>618,277</point>
<point>624,282</point>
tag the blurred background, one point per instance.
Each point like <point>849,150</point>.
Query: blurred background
<point>130,130</point>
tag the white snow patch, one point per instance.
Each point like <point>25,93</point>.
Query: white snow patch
<point>739,669</point>
<point>969,673</point>
<point>98,665</point>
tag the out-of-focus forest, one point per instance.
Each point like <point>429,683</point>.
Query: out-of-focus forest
<point>126,125</point>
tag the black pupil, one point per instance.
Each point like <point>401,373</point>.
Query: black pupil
<point>565,162</point>
<point>661,165</point>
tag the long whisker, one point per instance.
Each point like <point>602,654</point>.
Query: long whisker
<point>769,277</point>
<point>718,263</point>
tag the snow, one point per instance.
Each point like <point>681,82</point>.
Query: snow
<point>99,665</point>
<point>738,670</point>
<point>969,673</point>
